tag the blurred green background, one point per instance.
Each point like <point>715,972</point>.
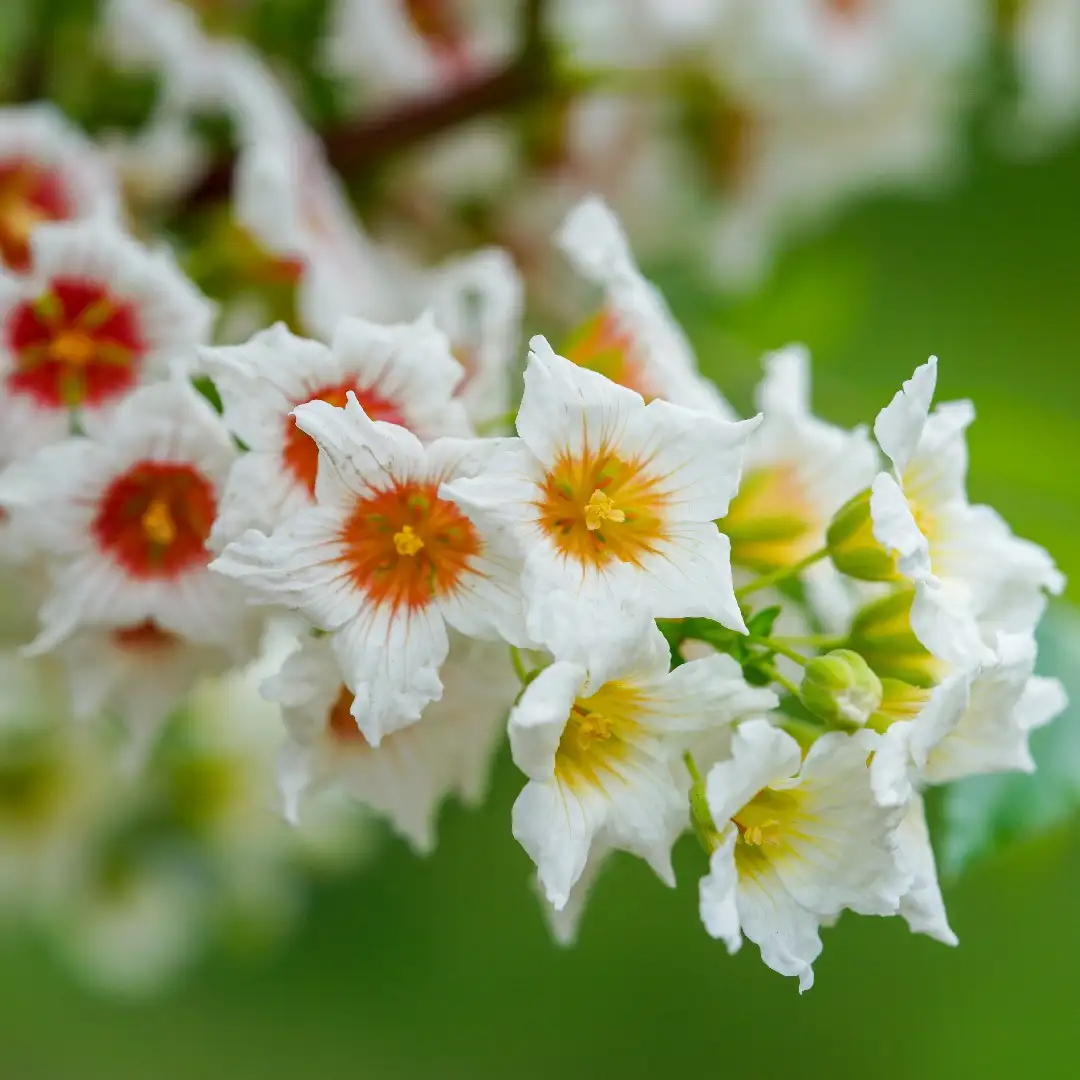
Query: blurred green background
<point>443,968</point>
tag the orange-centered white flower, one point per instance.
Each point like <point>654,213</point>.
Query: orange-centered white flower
<point>633,340</point>
<point>383,562</point>
<point>614,503</point>
<point>409,775</point>
<point>400,374</point>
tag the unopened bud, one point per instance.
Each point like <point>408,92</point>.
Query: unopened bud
<point>841,688</point>
<point>854,549</point>
<point>768,523</point>
<point>881,633</point>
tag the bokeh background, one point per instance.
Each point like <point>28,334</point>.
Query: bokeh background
<point>443,968</point>
<point>410,969</point>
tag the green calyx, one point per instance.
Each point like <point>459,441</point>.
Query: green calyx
<point>854,549</point>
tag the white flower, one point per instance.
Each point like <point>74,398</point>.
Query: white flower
<point>396,47</point>
<point>603,758</point>
<point>1045,39</point>
<point>922,905</point>
<point>49,171</point>
<point>288,199</point>
<point>142,674</point>
<point>384,563</point>
<point>976,721</point>
<point>97,315</point>
<point>408,776</point>
<point>634,340</point>
<point>477,300</point>
<point>124,515</point>
<point>400,374</point>
<point>614,503</point>
<point>799,471</point>
<point>799,841</point>
<point>963,558</point>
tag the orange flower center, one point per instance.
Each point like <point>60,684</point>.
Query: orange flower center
<point>597,507</point>
<point>340,722</point>
<point>29,195</point>
<point>301,454</point>
<point>75,344</point>
<point>154,519</point>
<point>405,547</point>
<point>602,345</point>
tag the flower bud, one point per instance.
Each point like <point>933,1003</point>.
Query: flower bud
<point>853,548</point>
<point>841,688</point>
<point>881,633</point>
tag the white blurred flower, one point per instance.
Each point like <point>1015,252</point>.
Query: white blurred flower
<point>384,563</point>
<point>614,503</point>
<point>408,776</point>
<point>98,315</point>
<point>49,171</point>
<point>634,339</point>
<point>399,374</point>
<point>1046,42</point>
<point>798,842</point>
<point>124,515</point>
<point>602,758</point>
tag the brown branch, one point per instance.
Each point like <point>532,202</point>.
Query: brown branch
<point>370,141</point>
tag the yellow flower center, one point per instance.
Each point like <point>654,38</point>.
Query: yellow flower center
<point>74,347</point>
<point>763,824</point>
<point>406,542</point>
<point>158,524</point>
<point>599,734</point>
<point>768,832</point>
<point>601,508</point>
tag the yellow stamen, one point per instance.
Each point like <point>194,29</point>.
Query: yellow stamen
<point>407,542</point>
<point>594,727</point>
<point>768,832</point>
<point>73,347</point>
<point>158,524</point>
<point>599,509</point>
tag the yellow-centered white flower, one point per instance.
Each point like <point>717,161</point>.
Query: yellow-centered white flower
<point>603,758</point>
<point>797,842</point>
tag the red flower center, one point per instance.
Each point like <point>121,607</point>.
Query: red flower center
<point>438,23</point>
<point>340,722</point>
<point>144,637</point>
<point>75,344</point>
<point>302,455</point>
<point>154,519</point>
<point>846,9</point>
<point>405,546</point>
<point>29,195</point>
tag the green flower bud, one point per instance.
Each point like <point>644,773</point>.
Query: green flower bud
<point>841,688</point>
<point>881,633</point>
<point>899,701</point>
<point>854,549</point>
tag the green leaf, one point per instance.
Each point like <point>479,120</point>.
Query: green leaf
<point>986,813</point>
<point>761,623</point>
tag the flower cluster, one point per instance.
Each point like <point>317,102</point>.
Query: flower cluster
<point>772,632</point>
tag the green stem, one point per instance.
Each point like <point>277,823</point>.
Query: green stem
<point>825,642</point>
<point>691,765</point>
<point>783,680</point>
<point>783,573</point>
<point>777,646</point>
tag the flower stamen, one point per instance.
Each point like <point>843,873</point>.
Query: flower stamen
<point>158,524</point>
<point>406,542</point>
<point>601,508</point>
